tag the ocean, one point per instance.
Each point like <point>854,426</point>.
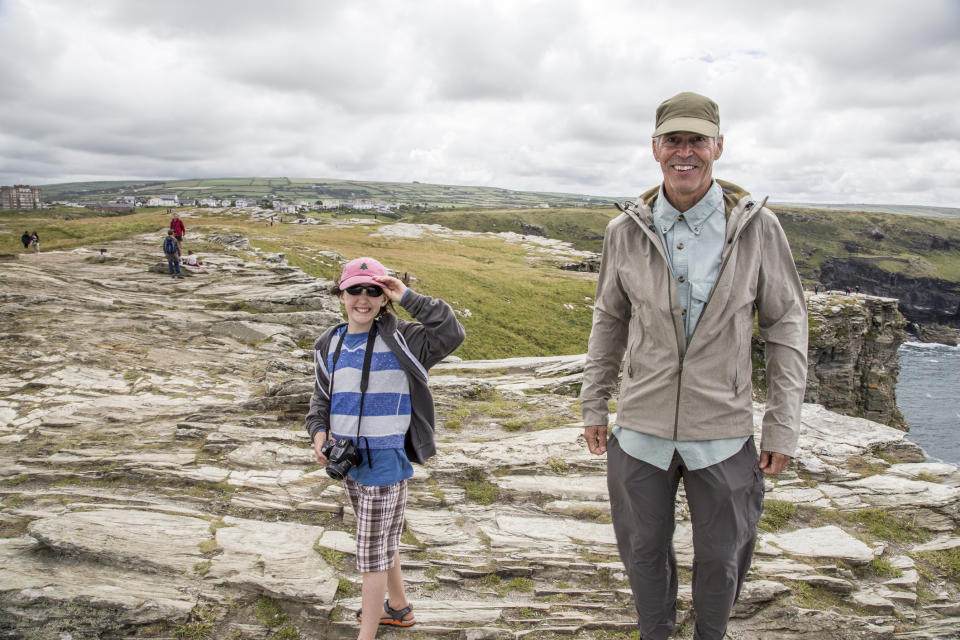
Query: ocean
<point>928,394</point>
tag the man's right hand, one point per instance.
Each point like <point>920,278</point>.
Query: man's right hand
<point>596,438</point>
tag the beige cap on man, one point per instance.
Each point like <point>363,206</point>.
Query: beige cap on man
<point>688,111</point>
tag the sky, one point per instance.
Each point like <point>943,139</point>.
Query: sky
<point>820,101</point>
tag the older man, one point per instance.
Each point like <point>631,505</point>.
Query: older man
<point>684,270</point>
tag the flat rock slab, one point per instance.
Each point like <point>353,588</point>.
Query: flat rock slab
<point>34,581</point>
<point>822,542</point>
<point>567,487</point>
<point>273,558</point>
<point>126,537</point>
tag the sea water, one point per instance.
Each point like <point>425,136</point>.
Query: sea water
<point>928,395</point>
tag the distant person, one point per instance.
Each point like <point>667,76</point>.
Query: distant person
<point>172,252</point>
<point>191,260</point>
<point>35,242</point>
<point>856,289</point>
<point>816,288</point>
<point>685,272</point>
<point>848,290</point>
<point>176,225</point>
<point>25,239</point>
<point>371,415</point>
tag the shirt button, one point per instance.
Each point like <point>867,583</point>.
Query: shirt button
<point>680,218</point>
<point>679,245</point>
<point>682,279</point>
<point>683,312</point>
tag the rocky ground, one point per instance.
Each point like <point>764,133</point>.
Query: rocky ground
<point>156,482</point>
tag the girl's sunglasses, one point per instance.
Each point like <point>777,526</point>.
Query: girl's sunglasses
<point>370,290</point>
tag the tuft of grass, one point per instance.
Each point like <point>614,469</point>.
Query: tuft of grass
<point>269,614</point>
<point>347,589</point>
<point>202,568</point>
<point>198,627</point>
<point>883,525</point>
<point>883,569</point>
<point>477,487</point>
<point>209,546</point>
<point>946,563</point>
<point>286,632</point>
<point>776,514</point>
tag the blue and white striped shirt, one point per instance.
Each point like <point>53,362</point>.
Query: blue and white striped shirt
<point>386,408</point>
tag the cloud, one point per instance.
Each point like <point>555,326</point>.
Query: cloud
<point>818,101</point>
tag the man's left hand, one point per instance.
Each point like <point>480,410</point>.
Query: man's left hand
<point>772,463</point>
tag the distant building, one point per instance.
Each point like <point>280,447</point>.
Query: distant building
<point>284,207</point>
<point>246,202</point>
<point>111,206</point>
<point>164,201</point>
<point>21,196</point>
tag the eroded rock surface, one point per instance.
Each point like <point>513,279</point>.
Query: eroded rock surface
<point>157,483</point>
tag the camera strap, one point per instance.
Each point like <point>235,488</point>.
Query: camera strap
<point>364,378</point>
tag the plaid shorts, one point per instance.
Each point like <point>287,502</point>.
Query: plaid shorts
<point>379,512</point>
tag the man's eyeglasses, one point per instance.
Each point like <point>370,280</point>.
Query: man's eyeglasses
<point>675,141</point>
<point>370,290</point>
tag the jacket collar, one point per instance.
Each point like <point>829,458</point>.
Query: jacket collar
<point>739,205</point>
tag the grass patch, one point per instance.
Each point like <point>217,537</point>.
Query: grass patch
<point>776,514</point>
<point>882,569</point>
<point>946,563</point>
<point>347,589</point>
<point>269,614</point>
<point>883,525</point>
<point>286,632</point>
<point>208,546</point>
<point>198,627</point>
<point>477,487</point>
<point>864,466</point>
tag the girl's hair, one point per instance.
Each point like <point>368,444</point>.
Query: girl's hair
<point>335,290</point>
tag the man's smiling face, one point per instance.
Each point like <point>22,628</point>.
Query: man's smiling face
<point>687,163</point>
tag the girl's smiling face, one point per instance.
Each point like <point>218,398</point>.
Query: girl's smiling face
<point>361,309</point>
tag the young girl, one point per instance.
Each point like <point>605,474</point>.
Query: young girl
<point>371,390</point>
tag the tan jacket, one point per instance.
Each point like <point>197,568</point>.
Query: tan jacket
<point>700,390</point>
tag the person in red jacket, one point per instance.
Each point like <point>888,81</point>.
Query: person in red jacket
<point>176,225</point>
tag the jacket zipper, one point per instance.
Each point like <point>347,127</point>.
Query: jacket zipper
<point>723,267</point>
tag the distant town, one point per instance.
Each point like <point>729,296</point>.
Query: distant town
<point>22,197</point>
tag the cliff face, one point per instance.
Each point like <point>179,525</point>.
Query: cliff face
<point>924,300</point>
<point>852,356</point>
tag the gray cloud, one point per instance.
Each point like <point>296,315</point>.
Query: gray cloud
<point>819,102</point>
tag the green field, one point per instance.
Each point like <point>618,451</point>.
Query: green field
<point>519,305</point>
<point>311,189</point>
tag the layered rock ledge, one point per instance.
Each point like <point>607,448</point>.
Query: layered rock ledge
<point>157,483</point>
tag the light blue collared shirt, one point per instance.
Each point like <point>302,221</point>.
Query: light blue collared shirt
<point>693,241</point>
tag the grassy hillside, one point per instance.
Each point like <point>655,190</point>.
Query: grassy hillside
<point>311,189</point>
<point>519,302</point>
<point>908,245</point>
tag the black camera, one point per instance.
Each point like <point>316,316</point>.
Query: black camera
<point>342,455</point>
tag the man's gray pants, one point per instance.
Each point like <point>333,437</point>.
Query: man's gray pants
<point>725,499</point>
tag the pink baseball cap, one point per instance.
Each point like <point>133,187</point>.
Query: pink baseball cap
<point>359,271</point>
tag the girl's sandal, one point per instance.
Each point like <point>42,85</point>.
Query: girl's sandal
<point>394,617</point>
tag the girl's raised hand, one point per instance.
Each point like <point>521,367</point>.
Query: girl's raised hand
<point>393,287</point>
